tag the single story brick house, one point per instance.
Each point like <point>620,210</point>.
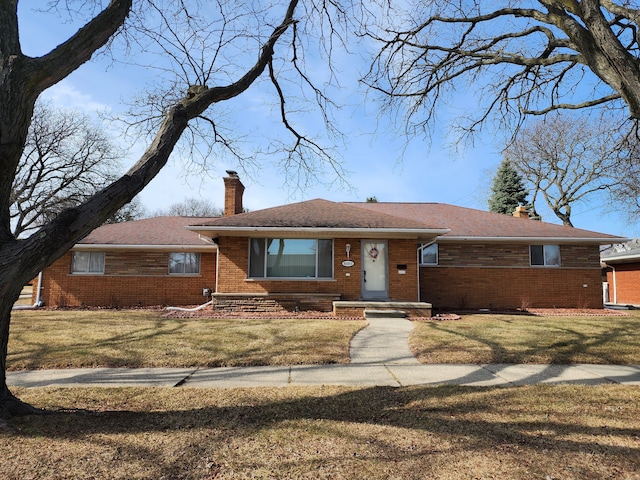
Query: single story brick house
<point>334,256</point>
<point>622,267</point>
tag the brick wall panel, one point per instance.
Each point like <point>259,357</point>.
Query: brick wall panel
<point>130,279</point>
<point>626,283</point>
<point>511,288</point>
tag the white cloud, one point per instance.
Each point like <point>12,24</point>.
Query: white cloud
<point>66,95</point>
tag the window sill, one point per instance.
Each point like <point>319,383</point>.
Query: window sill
<point>289,279</point>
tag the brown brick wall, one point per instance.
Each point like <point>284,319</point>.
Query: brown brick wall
<point>130,279</point>
<point>403,287</point>
<point>511,255</point>
<point>346,282</point>
<point>476,277</point>
<point>468,276</point>
<point>510,288</point>
<point>626,283</point>
<point>505,255</point>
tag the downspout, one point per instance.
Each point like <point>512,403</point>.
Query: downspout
<point>217,266</point>
<point>615,287</point>
<point>422,245</point>
<point>210,302</point>
<point>39,303</point>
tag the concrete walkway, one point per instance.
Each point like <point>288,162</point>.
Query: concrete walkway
<point>384,340</point>
<point>380,356</point>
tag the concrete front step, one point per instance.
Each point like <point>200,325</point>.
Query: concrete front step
<point>357,308</point>
<point>369,313</point>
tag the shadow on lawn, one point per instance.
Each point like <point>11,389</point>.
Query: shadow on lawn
<point>559,344</point>
<point>31,355</point>
<point>422,429</point>
<point>467,419</point>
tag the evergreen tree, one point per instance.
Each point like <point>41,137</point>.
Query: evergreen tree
<point>507,190</point>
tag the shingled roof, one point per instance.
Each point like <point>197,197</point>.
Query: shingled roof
<point>320,217</point>
<point>346,219</point>
<point>422,220</point>
<point>156,232</point>
<point>468,223</point>
<point>628,252</point>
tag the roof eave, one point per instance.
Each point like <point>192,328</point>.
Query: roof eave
<point>622,258</point>
<point>312,232</point>
<point>146,248</point>
<point>536,240</point>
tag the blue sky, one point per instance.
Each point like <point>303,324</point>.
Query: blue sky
<point>379,162</point>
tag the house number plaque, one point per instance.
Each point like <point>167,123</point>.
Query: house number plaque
<point>348,263</point>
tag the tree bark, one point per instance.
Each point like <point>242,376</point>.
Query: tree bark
<point>21,81</point>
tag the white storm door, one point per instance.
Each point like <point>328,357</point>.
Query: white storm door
<point>374,269</point>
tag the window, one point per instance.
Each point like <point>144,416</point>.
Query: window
<point>182,263</point>
<point>290,258</point>
<point>87,262</point>
<point>429,254</point>
<point>545,255</point>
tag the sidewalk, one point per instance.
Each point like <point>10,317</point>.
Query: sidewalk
<point>380,356</point>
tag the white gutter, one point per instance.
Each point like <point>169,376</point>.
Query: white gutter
<point>539,240</point>
<point>167,248</point>
<point>621,258</point>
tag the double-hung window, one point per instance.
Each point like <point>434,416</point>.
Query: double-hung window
<point>290,258</point>
<point>184,263</point>
<point>545,255</point>
<point>87,262</point>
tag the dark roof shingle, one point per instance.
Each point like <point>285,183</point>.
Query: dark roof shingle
<point>320,213</point>
<point>469,222</point>
<point>155,231</point>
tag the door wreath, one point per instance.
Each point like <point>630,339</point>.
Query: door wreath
<point>373,253</point>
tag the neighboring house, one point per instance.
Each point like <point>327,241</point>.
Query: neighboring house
<point>325,255</point>
<point>622,266</point>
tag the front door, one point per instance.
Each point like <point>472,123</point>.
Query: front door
<point>374,270</point>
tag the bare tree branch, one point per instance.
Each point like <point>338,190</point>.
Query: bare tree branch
<point>66,160</point>
<point>567,159</point>
<point>531,60</point>
<point>215,60</point>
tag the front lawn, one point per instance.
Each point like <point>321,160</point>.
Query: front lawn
<point>143,338</point>
<point>450,432</point>
<point>529,339</point>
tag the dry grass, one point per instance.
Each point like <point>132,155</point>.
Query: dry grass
<point>138,338</point>
<point>538,432</point>
<point>529,339</point>
<point>447,432</point>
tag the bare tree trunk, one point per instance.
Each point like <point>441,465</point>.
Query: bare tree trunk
<point>22,79</point>
<point>10,406</point>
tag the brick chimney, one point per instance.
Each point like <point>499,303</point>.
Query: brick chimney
<point>521,212</point>
<point>233,190</point>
